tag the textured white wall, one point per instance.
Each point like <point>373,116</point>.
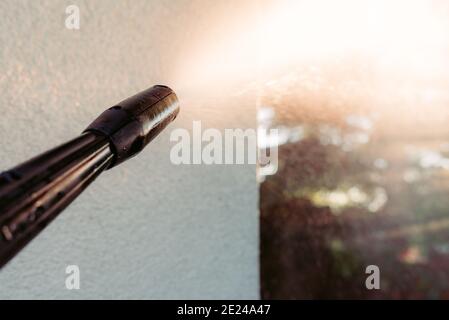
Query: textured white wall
<point>147,229</point>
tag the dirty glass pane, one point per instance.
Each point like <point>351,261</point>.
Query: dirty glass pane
<point>363,173</point>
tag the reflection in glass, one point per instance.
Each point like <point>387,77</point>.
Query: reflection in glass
<point>363,164</point>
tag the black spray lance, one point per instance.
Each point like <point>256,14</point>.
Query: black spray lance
<point>33,193</point>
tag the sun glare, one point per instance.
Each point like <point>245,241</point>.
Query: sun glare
<point>407,34</point>
<point>396,35</point>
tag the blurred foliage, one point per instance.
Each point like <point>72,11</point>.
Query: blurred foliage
<point>367,183</point>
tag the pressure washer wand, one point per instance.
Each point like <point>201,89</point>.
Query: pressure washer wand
<point>36,191</point>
